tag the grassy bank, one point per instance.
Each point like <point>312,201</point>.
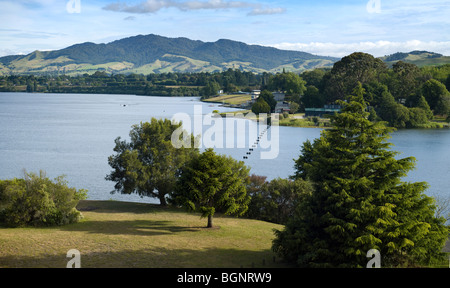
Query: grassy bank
<point>122,234</point>
<point>298,120</point>
<point>232,99</point>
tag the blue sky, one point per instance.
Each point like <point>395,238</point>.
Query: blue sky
<point>323,27</point>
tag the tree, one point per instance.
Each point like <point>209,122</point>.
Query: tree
<point>149,164</point>
<point>346,73</point>
<point>418,101</point>
<point>268,97</point>
<point>255,184</point>
<point>359,200</point>
<point>417,117</point>
<point>313,77</point>
<point>374,92</point>
<point>392,112</point>
<point>212,88</point>
<point>437,96</point>
<point>405,80</point>
<point>210,183</point>
<point>260,106</point>
<point>447,82</point>
<point>275,201</point>
<point>306,157</point>
<point>289,82</point>
<point>423,104</point>
<point>293,107</point>
<point>313,98</point>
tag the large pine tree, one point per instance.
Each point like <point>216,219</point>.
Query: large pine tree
<point>360,201</point>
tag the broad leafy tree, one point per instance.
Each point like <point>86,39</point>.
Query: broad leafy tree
<point>437,97</point>
<point>149,164</point>
<point>396,114</point>
<point>359,200</point>
<point>288,82</point>
<point>405,80</point>
<point>313,98</point>
<point>346,73</point>
<point>260,106</point>
<point>210,183</point>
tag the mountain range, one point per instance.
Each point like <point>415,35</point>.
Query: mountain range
<point>157,54</point>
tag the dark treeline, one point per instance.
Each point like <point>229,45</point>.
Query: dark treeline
<point>404,95</point>
<point>164,84</point>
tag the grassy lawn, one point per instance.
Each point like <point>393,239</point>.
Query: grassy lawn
<point>231,99</point>
<point>122,234</point>
<point>298,120</point>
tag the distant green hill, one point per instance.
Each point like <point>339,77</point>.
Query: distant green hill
<point>419,58</point>
<point>156,54</point>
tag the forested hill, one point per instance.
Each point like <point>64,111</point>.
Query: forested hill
<point>418,58</point>
<point>157,54</point>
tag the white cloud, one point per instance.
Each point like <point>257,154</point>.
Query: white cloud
<point>153,6</point>
<point>377,49</point>
<point>6,52</point>
<point>266,11</point>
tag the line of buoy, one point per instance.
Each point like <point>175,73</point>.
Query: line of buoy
<point>255,145</point>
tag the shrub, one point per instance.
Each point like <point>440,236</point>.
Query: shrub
<point>35,200</point>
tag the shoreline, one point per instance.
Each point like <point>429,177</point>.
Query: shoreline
<point>293,121</point>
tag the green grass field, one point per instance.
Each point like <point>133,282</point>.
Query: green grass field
<point>230,99</point>
<point>121,234</point>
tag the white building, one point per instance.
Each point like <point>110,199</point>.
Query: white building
<point>255,94</point>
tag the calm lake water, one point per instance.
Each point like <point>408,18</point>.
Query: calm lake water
<point>73,134</point>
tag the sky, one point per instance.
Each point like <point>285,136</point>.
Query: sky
<point>321,27</point>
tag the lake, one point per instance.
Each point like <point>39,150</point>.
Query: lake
<point>73,134</point>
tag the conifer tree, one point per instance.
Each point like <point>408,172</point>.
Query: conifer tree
<point>210,183</point>
<point>359,200</point>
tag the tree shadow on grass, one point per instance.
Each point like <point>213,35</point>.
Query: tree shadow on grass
<point>100,206</point>
<point>151,258</point>
<point>130,227</point>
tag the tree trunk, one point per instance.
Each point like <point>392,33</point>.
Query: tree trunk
<point>210,221</point>
<point>162,200</point>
